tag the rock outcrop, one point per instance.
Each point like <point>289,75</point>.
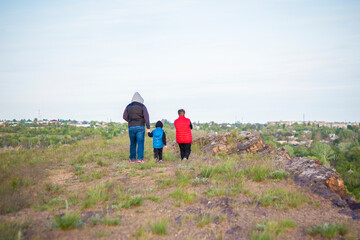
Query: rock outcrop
<point>214,144</point>
<point>251,143</point>
<point>321,180</point>
<point>305,171</point>
<point>227,143</point>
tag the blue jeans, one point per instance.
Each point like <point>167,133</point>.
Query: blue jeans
<point>137,137</point>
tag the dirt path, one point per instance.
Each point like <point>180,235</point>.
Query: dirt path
<point>194,216</point>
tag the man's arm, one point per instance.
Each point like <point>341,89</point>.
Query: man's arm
<point>126,115</point>
<point>146,116</point>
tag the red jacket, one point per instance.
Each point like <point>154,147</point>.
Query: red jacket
<point>183,130</point>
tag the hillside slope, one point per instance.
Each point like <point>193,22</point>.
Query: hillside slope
<point>240,190</point>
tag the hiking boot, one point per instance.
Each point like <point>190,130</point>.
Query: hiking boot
<point>140,161</point>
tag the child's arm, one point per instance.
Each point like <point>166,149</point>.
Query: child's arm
<point>150,134</point>
<point>164,138</point>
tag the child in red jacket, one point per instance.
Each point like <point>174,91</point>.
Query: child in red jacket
<point>183,134</point>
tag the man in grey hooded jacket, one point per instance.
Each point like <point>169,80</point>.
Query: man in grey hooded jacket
<point>137,117</point>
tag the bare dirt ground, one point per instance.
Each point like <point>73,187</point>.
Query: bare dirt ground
<point>232,216</point>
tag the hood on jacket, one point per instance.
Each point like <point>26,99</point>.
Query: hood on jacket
<point>137,98</point>
<point>158,133</point>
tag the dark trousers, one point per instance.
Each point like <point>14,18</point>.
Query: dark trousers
<point>158,153</point>
<point>185,150</point>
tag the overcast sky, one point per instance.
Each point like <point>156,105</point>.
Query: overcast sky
<point>222,61</point>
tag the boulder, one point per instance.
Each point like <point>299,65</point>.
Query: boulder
<point>251,144</point>
<point>227,143</point>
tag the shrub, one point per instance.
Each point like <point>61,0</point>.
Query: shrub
<point>290,150</point>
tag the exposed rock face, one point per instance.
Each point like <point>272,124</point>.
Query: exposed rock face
<point>226,143</point>
<point>321,180</point>
<point>336,184</point>
<point>214,144</point>
<point>251,144</point>
<point>306,172</point>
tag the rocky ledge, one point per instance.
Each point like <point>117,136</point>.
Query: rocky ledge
<point>308,172</point>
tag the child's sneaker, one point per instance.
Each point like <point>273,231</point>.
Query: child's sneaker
<point>140,161</point>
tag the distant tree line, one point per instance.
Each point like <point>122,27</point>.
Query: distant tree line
<point>31,135</point>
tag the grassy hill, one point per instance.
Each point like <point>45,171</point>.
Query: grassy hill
<point>89,190</point>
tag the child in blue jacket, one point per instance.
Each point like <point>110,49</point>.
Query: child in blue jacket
<point>159,140</point>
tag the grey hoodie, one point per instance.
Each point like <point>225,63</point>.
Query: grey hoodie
<point>136,113</point>
<point>137,98</point>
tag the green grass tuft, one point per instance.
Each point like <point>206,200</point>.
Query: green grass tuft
<point>187,197</point>
<point>96,194</point>
<point>146,165</point>
<point>280,198</point>
<point>159,228</point>
<point>183,177</point>
<point>67,221</point>
<point>165,183</point>
<point>204,219</point>
<point>11,230</point>
<point>328,230</point>
<point>279,174</point>
<point>110,222</point>
<point>215,192</point>
<point>271,229</point>
<point>257,173</point>
<point>133,201</point>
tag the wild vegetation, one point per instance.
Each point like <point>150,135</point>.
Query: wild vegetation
<point>334,147</point>
<point>33,135</point>
<point>89,185</point>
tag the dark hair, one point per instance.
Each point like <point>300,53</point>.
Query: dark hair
<point>181,112</point>
<point>159,124</point>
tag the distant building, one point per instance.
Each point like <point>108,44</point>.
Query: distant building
<point>318,123</point>
<point>333,136</point>
<point>83,125</point>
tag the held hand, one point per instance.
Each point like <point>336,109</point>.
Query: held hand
<point>165,146</point>
<point>148,130</point>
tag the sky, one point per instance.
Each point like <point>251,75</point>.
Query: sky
<point>222,61</point>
